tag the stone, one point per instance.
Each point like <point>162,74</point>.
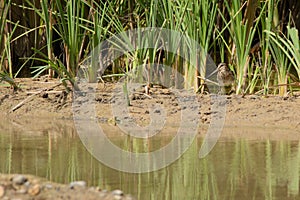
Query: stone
<point>22,190</point>
<point>2,191</point>
<point>34,190</point>
<point>77,184</point>
<point>48,186</point>
<point>116,197</point>
<point>117,192</point>
<point>128,197</point>
<point>19,179</point>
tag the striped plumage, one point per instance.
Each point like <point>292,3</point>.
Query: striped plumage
<point>225,78</point>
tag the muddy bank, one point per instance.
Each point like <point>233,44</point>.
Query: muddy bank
<point>35,98</point>
<point>47,99</point>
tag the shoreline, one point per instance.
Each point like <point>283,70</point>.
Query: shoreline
<point>243,114</point>
<point>249,111</point>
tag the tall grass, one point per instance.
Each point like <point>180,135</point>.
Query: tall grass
<point>4,8</point>
<point>289,45</point>
<point>47,17</point>
<point>242,30</point>
<point>266,60</point>
<point>198,21</point>
<point>282,67</point>
<point>6,65</point>
<point>67,18</point>
<point>225,30</point>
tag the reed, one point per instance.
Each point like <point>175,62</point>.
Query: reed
<point>289,45</point>
<point>47,17</point>
<point>282,66</point>
<point>266,61</point>
<point>203,17</point>
<point>4,8</point>
<point>6,67</point>
<point>227,31</point>
<point>242,30</point>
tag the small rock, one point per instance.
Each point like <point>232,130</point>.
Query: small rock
<point>34,190</point>
<point>77,184</point>
<point>48,186</point>
<point>27,184</point>
<point>117,192</point>
<point>21,191</point>
<point>129,197</point>
<point>102,194</point>
<point>116,197</point>
<point>19,179</point>
<point>2,191</point>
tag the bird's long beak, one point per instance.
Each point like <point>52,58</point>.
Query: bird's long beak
<point>212,73</point>
<point>207,78</point>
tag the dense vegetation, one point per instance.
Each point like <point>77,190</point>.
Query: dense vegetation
<point>259,39</point>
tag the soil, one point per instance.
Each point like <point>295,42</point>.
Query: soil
<point>250,116</point>
<point>25,187</point>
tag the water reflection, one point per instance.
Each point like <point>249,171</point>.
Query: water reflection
<point>235,169</point>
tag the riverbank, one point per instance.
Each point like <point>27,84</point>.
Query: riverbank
<point>48,99</point>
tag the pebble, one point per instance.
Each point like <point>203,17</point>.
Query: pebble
<point>48,186</point>
<point>35,190</point>
<point>19,179</point>
<point>102,194</point>
<point>77,184</point>
<point>129,197</point>
<point>21,191</point>
<point>2,191</point>
<point>117,192</point>
<point>116,197</point>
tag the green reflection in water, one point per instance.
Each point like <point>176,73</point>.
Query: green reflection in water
<point>235,169</point>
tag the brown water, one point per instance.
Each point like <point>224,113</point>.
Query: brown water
<point>235,169</point>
